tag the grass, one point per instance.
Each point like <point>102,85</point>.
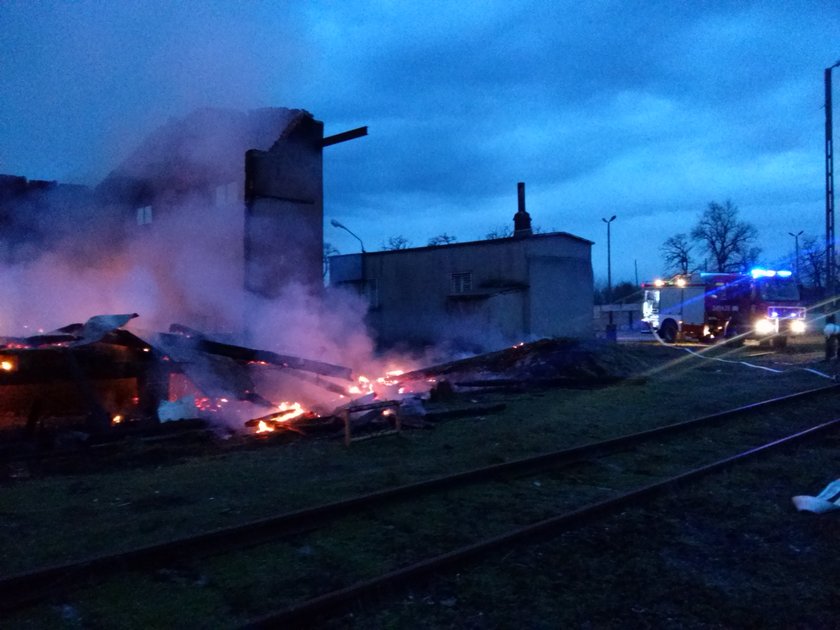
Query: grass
<point>592,576</point>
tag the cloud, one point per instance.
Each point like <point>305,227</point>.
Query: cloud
<point>627,106</point>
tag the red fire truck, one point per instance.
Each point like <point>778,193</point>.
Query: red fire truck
<point>762,304</point>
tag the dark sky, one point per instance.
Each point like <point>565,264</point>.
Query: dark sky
<point>646,110</point>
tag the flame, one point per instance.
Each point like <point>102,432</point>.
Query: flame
<point>7,365</point>
<point>290,410</point>
<point>117,419</point>
<point>365,385</point>
<point>388,378</point>
<point>264,427</point>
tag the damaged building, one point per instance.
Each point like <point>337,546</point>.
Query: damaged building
<point>207,209</point>
<point>259,174</point>
<point>476,294</point>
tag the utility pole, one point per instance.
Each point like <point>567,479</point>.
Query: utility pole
<point>796,240</point>
<point>829,188</point>
<point>611,332</point>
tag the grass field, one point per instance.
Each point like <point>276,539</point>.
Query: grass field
<point>729,551</point>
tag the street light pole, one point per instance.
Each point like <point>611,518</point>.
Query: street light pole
<point>335,223</point>
<point>610,326</point>
<point>363,283</point>
<point>796,240</point>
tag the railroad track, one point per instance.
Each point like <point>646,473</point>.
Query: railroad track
<point>702,446</point>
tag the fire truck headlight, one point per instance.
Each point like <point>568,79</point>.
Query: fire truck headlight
<point>765,327</point>
<point>797,327</point>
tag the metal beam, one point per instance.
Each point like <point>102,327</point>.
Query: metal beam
<point>344,136</point>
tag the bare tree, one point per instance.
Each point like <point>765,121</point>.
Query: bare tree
<point>396,242</point>
<point>442,239</point>
<point>813,261</point>
<point>502,231</point>
<point>746,260</point>
<point>676,251</point>
<point>727,239</point>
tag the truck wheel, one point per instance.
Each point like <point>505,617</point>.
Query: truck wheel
<point>668,331</point>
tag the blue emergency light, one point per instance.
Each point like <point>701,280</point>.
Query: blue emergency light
<point>759,272</point>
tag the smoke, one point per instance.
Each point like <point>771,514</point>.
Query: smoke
<point>164,236</point>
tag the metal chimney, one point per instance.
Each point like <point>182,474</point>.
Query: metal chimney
<point>521,220</point>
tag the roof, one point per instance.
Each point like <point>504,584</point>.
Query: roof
<point>491,241</point>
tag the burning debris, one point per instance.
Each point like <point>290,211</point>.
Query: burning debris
<point>99,377</point>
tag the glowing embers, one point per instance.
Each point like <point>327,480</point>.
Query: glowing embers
<point>206,404</point>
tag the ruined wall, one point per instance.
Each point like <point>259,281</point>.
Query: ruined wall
<point>284,211</point>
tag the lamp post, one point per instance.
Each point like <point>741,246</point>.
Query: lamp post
<point>363,284</point>
<point>611,334</point>
<point>335,223</point>
<point>796,240</point>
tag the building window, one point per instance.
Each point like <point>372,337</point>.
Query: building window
<point>461,282</point>
<point>144,215</point>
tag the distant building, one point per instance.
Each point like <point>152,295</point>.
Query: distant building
<point>481,293</point>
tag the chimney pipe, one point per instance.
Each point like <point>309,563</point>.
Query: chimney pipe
<point>521,220</point>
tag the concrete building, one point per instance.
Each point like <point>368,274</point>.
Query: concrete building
<point>478,294</point>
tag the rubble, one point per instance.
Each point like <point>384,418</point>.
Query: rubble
<point>98,376</point>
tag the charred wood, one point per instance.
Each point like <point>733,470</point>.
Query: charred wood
<point>252,355</point>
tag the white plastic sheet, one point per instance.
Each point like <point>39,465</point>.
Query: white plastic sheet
<point>825,501</point>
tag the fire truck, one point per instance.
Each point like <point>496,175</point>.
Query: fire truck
<point>763,304</point>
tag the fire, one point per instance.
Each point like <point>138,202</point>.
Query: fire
<point>365,385</point>
<point>286,412</point>
<point>290,411</point>
<point>362,386</point>
<point>264,427</point>
<point>117,419</point>
<point>389,379</point>
<point>7,365</point>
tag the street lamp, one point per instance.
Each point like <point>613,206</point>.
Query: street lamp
<point>610,326</point>
<point>335,223</point>
<point>796,240</point>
